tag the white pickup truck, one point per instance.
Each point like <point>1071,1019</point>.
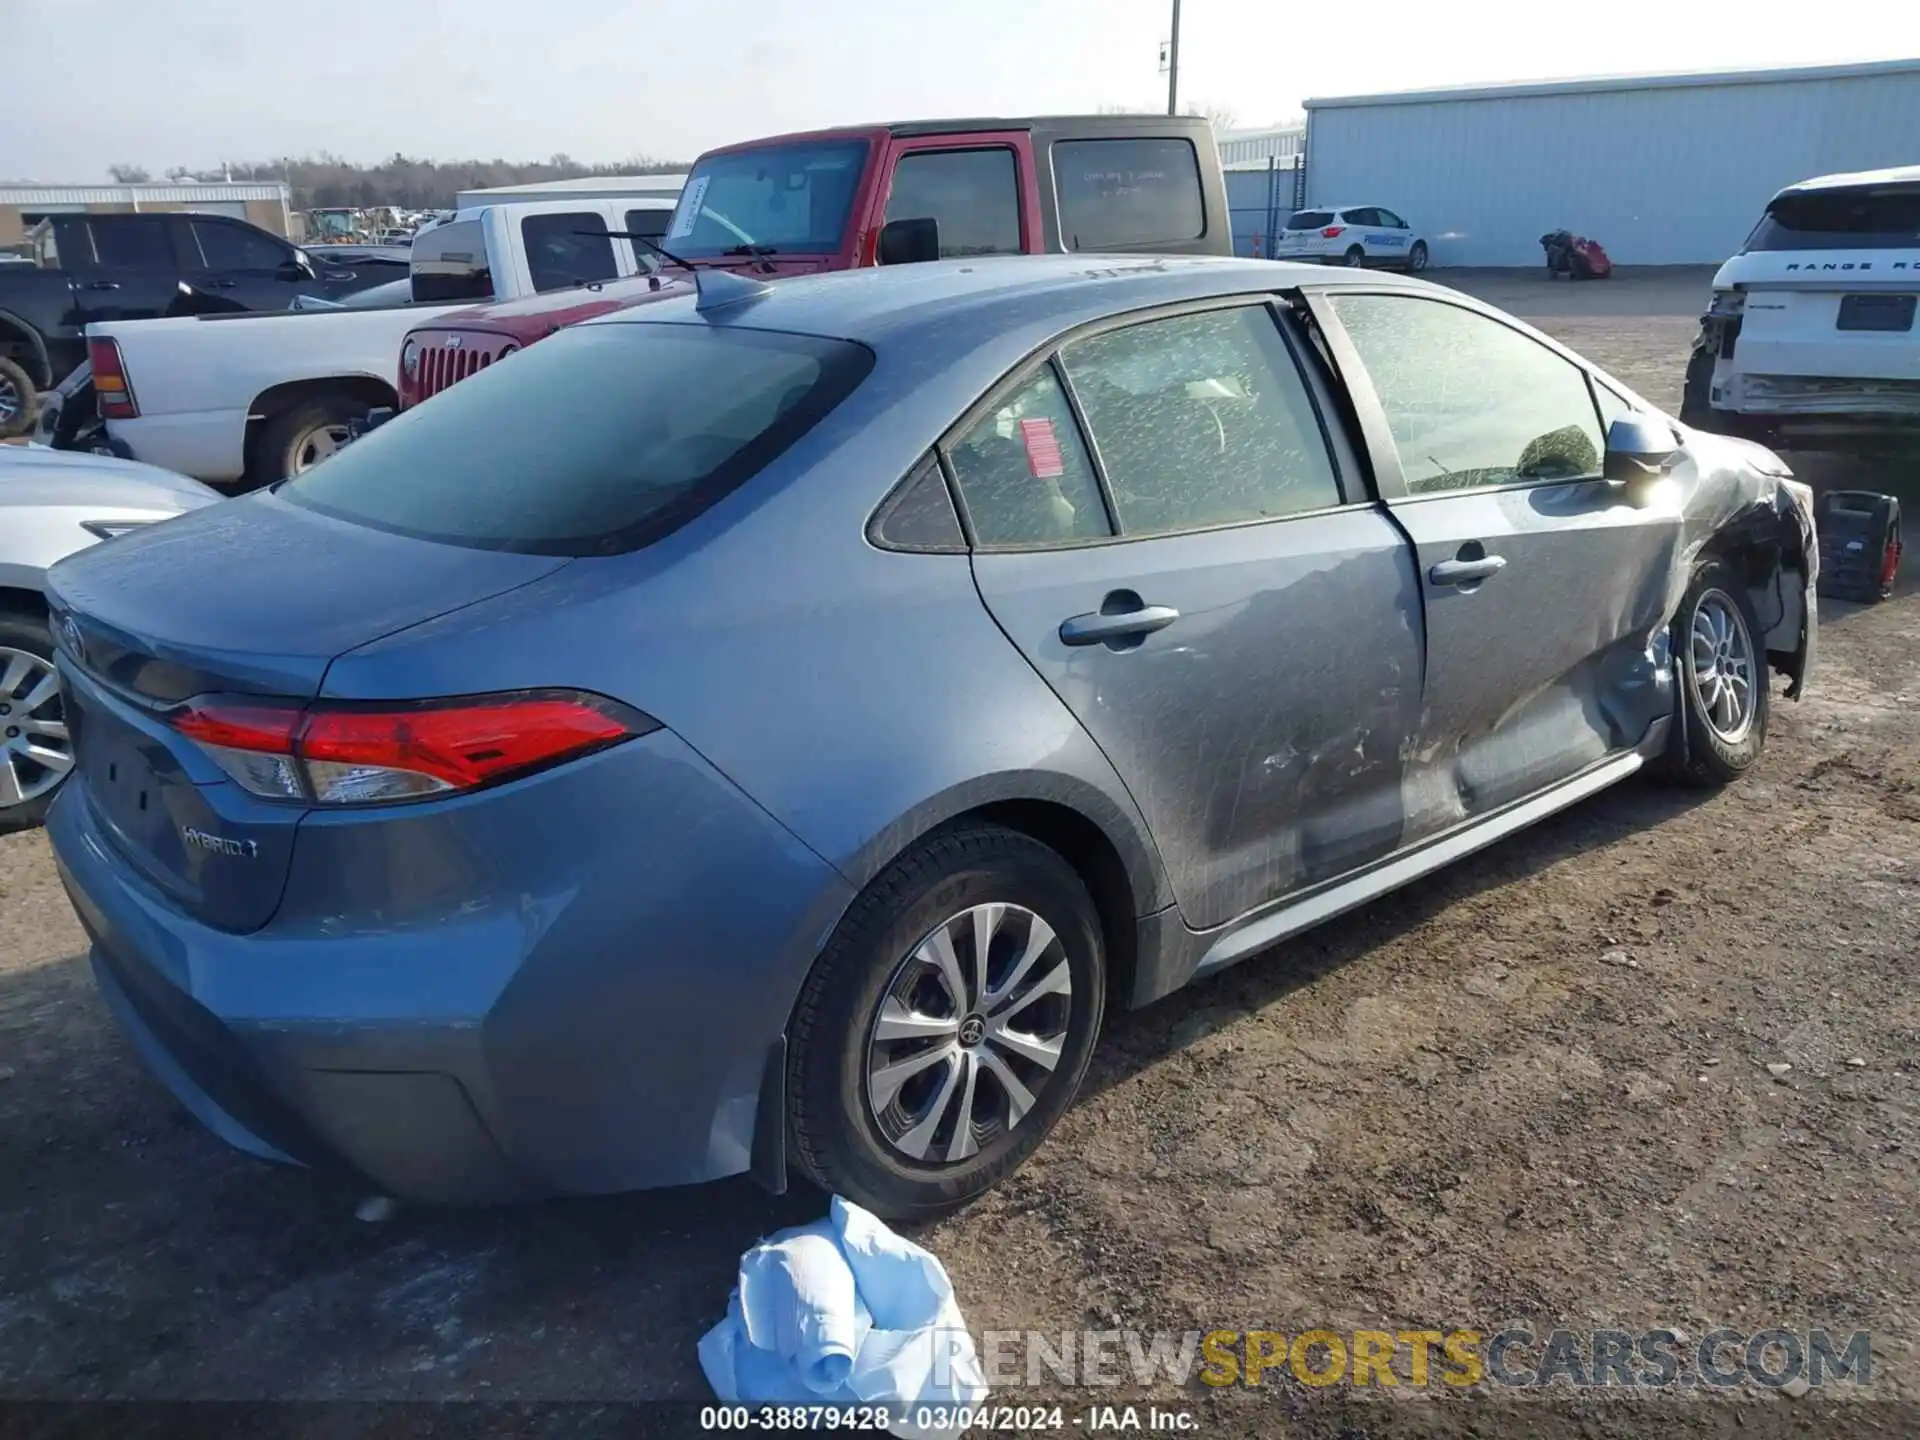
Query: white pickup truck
<point>243,400</point>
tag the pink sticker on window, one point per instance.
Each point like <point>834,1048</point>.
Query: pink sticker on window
<point>1044,457</point>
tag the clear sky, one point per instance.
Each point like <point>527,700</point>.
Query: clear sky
<point>194,82</point>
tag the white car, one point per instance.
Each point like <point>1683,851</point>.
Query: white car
<point>1351,235</point>
<point>1811,339</point>
<point>51,505</point>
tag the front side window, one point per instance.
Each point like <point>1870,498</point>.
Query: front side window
<point>1024,473</point>
<point>233,247</point>
<point>571,248</point>
<point>972,195</point>
<point>599,439</point>
<point>1201,420</point>
<point>1391,220</point>
<point>1471,402</point>
<point>780,200</point>
<point>449,264</point>
<point>1128,192</point>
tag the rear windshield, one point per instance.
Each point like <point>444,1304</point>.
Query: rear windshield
<point>449,263</point>
<point>599,439</point>
<point>1876,217</point>
<point>1310,220</point>
<point>783,200</point>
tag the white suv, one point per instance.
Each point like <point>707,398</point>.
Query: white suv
<point>1810,341</point>
<point>1351,235</point>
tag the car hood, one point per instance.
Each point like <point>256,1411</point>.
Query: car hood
<point>544,313</point>
<point>34,475</point>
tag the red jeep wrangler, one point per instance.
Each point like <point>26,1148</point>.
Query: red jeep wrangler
<point>886,195</point>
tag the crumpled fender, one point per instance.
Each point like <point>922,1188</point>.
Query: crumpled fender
<point>1738,498</point>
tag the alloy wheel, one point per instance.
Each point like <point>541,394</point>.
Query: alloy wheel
<point>1721,659</point>
<point>969,1031</point>
<point>35,753</point>
<point>316,445</point>
<point>12,402</point>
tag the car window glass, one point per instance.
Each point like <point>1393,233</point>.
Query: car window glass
<point>133,242</point>
<point>1310,220</point>
<point>1024,473</point>
<point>1612,406</point>
<point>1362,216</point>
<point>450,263</point>
<point>786,199</point>
<point>1201,420</point>
<point>598,439</point>
<point>972,195</point>
<point>1388,218</point>
<point>1127,192</point>
<point>920,514</point>
<point>558,255</point>
<point>1471,402</point>
<point>1856,217</point>
<point>229,247</point>
<point>653,225</point>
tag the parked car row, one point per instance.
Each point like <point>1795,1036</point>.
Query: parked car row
<point>1128,611</point>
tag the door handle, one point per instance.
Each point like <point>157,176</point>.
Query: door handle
<point>1467,572</point>
<point>104,285</point>
<point>224,284</point>
<point>1103,625</point>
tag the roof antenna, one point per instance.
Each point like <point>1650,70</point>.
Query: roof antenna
<point>719,289</point>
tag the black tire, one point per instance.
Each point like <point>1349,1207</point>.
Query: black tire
<point>1355,258</point>
<point>1698,752</point>
<point>19,400</point>
<point>838,1139</point>
<point>1696,394</point>
<point>1417,257</point>
<point>29,633</point>
<point>285,443</point>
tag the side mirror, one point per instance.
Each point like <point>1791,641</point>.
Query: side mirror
<point>297,268</point>
<point>905,242</point>
<point>1640,447</point>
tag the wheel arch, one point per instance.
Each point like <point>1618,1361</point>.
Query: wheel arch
<point>1767,547</point>
<point>16,334</point>
<point>276,400</point>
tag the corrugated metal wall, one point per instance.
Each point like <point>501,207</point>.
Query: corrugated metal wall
<point>1660,176</point>
<point>1259,203</point>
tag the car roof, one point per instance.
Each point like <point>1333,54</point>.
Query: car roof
<point>999,306</point>
<point>1895,175</point>
<point>1143,125</point>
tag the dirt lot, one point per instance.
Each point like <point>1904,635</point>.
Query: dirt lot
<point>1533,1089</point>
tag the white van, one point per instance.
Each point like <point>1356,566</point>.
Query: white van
<point>1811,340</point>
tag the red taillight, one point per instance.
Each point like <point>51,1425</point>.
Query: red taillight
<point>1890,567</point>
<point>335,754</point>
<point>110,388</point>
<point>1333,232</point>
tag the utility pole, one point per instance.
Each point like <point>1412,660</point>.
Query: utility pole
<point>1173,64</point>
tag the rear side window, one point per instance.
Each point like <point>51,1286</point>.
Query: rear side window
<point>1024,473</point>
<point>1873,217</point>
<point>449,263</point>
<point>133,242</point>
<point>1310,220</point>
<point>1127,192</point>
<point>599,439</point>
<point>1201,420</point>
<point>571,248</point>
<point>653,225</point>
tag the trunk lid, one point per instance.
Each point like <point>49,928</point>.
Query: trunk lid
<point>253,597</point>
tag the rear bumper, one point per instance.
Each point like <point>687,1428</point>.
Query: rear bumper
<point>489,1025</point>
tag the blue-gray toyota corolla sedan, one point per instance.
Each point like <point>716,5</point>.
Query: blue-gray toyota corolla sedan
<point>768,731</point>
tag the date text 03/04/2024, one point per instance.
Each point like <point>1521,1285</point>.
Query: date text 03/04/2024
<point>949,1419</point>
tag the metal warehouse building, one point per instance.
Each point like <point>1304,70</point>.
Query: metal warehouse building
<point>24,206</point>
<point>1661,169</point>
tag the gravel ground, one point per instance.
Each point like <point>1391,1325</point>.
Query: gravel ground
<point>1532,1089</point>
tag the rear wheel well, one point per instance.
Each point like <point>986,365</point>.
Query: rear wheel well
<point>1084,846</point>
<point>363,390</point>
<point>19,346</point>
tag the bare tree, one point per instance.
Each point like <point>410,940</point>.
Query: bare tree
<point>1219,116</point>
<point>128,174</point>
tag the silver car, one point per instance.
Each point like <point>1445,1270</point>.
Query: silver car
<point>53,503</point>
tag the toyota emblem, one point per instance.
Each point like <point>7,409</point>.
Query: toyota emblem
<point>72,639</point>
